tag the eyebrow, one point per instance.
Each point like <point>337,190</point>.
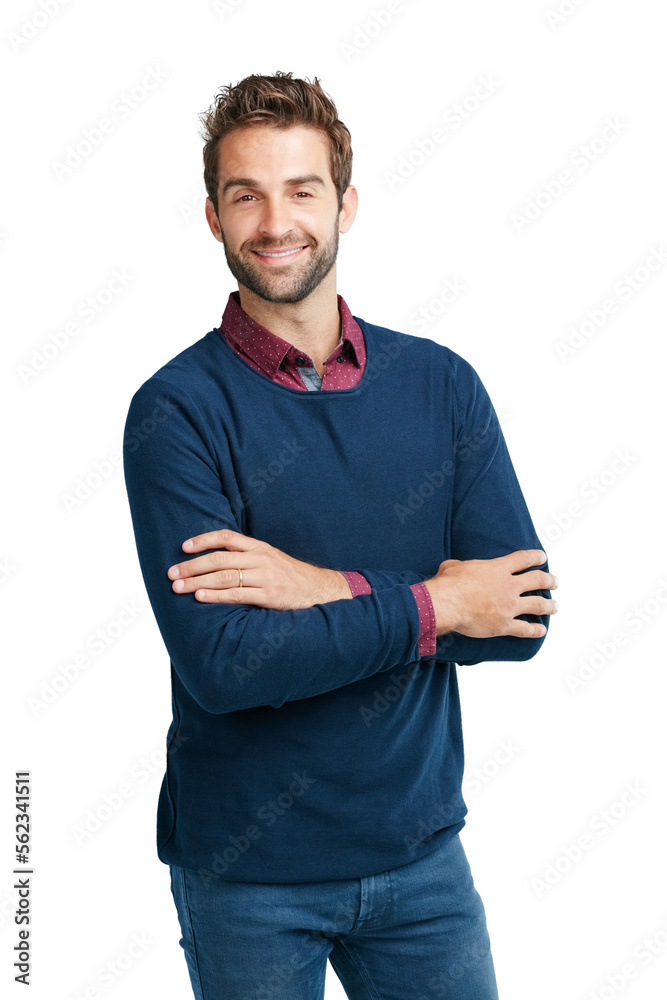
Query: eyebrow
<point>290,182</point>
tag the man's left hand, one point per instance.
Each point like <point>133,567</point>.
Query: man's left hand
<point>271,578</point>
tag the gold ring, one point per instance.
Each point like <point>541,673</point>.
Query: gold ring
<point>240,578</point>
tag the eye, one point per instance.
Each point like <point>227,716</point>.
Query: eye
<point>245,196</point>
<point>307,193</point>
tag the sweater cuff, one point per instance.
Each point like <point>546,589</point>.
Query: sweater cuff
<point>358,583</point>
<point>426,610</point>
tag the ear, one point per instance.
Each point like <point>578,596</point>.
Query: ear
<point>349,209</point>
<point>213,221</point>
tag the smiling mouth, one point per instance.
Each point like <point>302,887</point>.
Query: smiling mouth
<point>279,253</point>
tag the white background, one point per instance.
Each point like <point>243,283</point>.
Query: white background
<point>135,204</point>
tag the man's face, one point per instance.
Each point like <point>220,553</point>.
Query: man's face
<point>276,195</point>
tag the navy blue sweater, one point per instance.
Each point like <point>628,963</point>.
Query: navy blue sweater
<point>315,744</point>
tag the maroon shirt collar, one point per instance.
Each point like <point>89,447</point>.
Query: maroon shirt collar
<point>268,351</point>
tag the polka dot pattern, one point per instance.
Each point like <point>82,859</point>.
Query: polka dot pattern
<point>277,359</point>
<point>426,610</point>
<point>358,583</point>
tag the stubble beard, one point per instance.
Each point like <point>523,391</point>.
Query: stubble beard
<point>279,287</point>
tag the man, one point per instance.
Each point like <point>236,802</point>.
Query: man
<point>354,529</point>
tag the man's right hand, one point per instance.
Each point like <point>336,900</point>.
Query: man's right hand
<point>482,597</point>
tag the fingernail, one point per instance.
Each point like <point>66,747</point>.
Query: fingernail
<point>188,544</point>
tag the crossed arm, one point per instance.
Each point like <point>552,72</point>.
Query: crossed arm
<point>293,631</point>
<point>479,598</point>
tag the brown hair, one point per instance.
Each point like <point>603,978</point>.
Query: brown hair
<point>278,101</point>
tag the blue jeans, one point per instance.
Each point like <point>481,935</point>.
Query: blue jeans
<point>416,932</point>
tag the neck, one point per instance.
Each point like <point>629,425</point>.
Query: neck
<point>312,325</point>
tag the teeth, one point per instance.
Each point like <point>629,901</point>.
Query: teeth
<point>285,253</point>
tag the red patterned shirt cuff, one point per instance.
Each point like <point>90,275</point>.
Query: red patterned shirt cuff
<point>427,634</point>
<point>358,583</point>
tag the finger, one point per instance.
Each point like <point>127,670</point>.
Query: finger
<point>233,595</point>
<point>538,580</point>
<point>525,559</point>
<point>538,606</point>
<point>210,563</point>
<point>221,538</point>
<point>227,579</point>
<point>526,630</point>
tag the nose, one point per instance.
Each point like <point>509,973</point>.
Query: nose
<point>275,220</point>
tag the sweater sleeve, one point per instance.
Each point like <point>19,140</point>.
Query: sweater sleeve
<point>359,585</point>
<point>490,517</point>
<point>230,656</point>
